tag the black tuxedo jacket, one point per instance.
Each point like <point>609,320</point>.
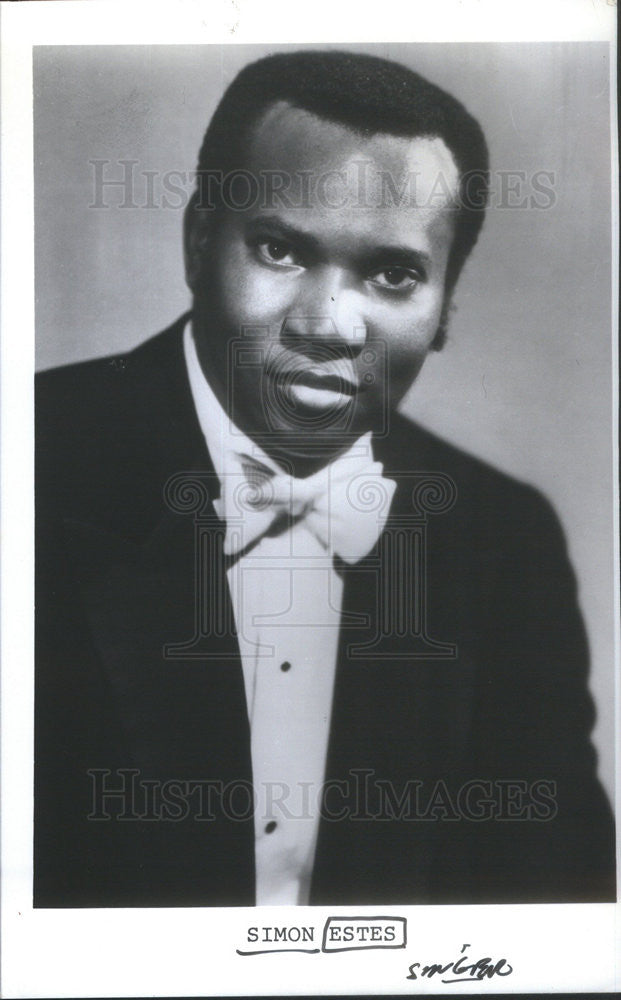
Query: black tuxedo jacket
<point>459,764</point>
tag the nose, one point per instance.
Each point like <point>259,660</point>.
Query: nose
<point>326,311</point>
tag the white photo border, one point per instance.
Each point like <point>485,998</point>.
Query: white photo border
<point>192,951</point>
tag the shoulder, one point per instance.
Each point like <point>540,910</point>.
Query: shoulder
<point>411,448</point>
<point>495,507</point>
<point>99,385</point>
<point>111,430</point>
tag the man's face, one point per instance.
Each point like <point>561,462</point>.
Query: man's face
<point>314,310</point>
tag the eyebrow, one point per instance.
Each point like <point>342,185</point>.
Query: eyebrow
<point>398,254</point>
<point>276,227</point>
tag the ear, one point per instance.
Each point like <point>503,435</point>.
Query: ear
<point>194,240</point>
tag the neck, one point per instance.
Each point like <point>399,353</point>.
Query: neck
<point>303,465</point>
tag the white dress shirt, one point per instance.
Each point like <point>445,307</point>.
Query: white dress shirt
<point>286,598</point>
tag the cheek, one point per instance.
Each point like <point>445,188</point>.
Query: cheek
<point>250,295</point>
<point>404,363</point>
<point>406,338</point>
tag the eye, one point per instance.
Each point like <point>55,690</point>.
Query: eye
<point>277,252</point>
<point>395,278</point>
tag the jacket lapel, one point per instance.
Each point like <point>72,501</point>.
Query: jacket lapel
<point>179,689</point>
<point>403,701</point>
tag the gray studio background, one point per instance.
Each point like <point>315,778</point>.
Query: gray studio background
<point>525,378</point>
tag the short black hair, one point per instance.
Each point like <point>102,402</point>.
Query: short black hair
<point>369,95</point>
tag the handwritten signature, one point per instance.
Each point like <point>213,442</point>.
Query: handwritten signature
<point>465,970</point>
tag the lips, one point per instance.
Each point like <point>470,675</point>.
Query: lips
<point>319,380</point>
<point>331,377</point>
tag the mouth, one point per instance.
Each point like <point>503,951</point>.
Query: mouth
<point>329,381</point>
<point>314,386</point>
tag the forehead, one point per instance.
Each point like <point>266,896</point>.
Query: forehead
<point>417,173</point>
<point>342,177</point>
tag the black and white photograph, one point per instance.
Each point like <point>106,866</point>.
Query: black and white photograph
<point>325,575</point>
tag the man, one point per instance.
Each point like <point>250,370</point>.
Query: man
<point>292,648</point>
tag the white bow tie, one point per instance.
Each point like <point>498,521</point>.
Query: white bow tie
<point>345,505</point>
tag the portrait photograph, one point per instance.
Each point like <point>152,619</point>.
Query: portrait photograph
<point>312,630</point>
